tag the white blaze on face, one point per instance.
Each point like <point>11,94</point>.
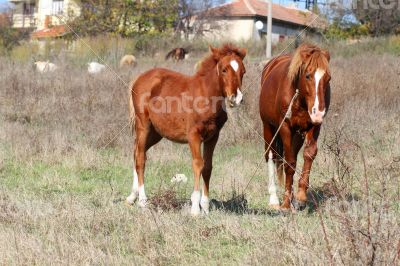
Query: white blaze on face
<point>317,76</point>
<point>235,65</point>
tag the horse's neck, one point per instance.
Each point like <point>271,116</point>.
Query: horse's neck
<point>211,82</point>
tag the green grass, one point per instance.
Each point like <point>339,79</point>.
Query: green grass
<point>62,194</point>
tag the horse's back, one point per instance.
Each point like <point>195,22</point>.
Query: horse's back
<point>274,83</point>
<point>274,63</point>
<point>159,81</point>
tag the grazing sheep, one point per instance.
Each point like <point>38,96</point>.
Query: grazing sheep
<point>44,67</point>
<point>128,60</point>
<point>95,68</point>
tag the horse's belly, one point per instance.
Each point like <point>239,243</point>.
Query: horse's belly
<point>170,127</point>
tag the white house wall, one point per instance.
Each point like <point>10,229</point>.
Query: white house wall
<point>244,29</point>
<point>44,8</point>
<point>230,29</point>
<point>278,29</point>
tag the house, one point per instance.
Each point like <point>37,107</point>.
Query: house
<point>45,18</point>
<point>237,21</point>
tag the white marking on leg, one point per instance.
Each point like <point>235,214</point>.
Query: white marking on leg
<point>273,197</point>
<point>195,198</point>
<point>135,190</point>
<point>239,97</point>
<point>142,197</point>
<point>235,65</point>
<point>205,203</point>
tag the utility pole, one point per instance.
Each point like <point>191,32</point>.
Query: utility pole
<point>269,30</point>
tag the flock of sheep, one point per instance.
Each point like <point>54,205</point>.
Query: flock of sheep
<point>92,67</point>
<point>176,54</point>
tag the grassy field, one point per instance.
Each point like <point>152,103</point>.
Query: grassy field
<point>65,170</point>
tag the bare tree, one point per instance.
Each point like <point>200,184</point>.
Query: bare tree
<point>192,16</point>
<point>382,16</point>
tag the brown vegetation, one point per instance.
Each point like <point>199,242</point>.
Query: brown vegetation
<point>65,165</point>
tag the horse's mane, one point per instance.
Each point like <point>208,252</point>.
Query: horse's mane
<point>209,62</point>
<point>307,55</point>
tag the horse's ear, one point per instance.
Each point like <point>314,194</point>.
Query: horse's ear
<point>214,51</point>
<point>242,53</point>
<point>327,54</point>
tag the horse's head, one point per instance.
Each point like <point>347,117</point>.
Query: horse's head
<point>230,71</point>
<point>309,72</point>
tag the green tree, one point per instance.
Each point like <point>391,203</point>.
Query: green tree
<point>126,17</point>
<point>9,36</point>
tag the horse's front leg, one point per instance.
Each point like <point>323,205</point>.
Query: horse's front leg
<point>197,165</point>
<point>290,164</point>
<point>209,147</point>
<point>310,152</point>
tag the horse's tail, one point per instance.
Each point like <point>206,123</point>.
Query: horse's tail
<point>131,106</point>
<point>170,54</point>
<point>280,165</point>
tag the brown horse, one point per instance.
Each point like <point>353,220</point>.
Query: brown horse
<point>177,54</point>
<point>185,109</point>
<point>308,71</point>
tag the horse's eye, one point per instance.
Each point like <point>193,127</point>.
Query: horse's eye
<point>308,76</point>
<point>224,70</point>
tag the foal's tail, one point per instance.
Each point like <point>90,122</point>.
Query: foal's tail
<point>131,107</point>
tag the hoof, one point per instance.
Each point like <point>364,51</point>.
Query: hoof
<point>274,206</point>
<point>131,199</point>
<point>299,205</point>
<point>285,209</point>
<point>195,212</point>
<point>127,204</point>
<point>142,203</point>
<point>205,206</point>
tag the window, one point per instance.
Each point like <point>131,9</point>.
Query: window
<point>58,7</point>
<point>29,8</point>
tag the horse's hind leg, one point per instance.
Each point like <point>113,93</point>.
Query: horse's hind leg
<point>145,138</point>
<point>208,152</point>
<point>197,165</point>
<point>270,155</point>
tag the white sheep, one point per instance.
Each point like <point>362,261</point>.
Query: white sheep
<point>128,60</point>
<point>95,68</point>
<point>44,67</point>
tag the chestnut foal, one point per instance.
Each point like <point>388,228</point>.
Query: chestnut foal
<point>307,71</point>
<point>185,109</point>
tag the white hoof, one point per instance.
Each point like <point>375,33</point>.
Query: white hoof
<point>273,200</point>
<point>142,203</point>
<point>131,198</point>
<point>195,211</point>
<point>205,204</point>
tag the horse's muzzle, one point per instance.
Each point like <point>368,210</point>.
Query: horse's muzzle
<point>235,100</point>
<point>317,117</point>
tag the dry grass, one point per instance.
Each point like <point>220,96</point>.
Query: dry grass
<point>64,175</point>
